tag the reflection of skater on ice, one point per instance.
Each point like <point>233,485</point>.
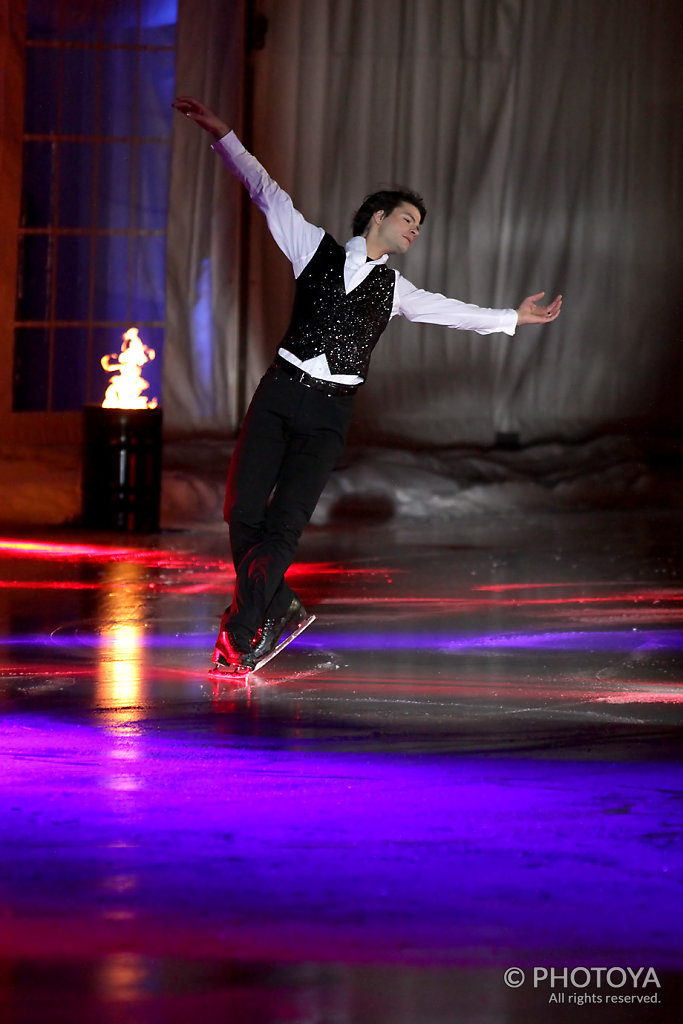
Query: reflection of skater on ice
<point>125,390</point>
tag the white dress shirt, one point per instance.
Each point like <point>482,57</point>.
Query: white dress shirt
<point>299,241</point>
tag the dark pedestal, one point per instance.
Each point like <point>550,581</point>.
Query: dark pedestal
<point>121,468</point>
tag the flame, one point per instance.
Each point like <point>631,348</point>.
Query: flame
<point>125,389</point>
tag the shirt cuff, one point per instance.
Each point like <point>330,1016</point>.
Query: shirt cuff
<point>229,144</point>
<point>512,324</point>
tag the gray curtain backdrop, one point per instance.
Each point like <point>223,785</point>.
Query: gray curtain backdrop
<point>200,373</point>
<point>545,136</point>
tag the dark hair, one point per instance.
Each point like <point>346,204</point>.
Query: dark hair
<point>386,200</point>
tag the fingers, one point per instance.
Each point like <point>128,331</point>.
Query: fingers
<point>529,303</point>
<point>553,310</point>
<point>188,105</point>
<point>201,115</point>
<point>531,313</point>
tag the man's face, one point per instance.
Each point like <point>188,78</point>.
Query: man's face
<point>396,231</point>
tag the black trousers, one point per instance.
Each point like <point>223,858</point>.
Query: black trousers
<point>288,445</point>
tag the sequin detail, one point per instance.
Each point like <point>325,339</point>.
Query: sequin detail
<point>325,320</point>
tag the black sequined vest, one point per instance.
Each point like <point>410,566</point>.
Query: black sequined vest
<point>325,320</point>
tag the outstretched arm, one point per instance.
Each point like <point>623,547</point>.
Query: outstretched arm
<point>294,235</point>
<point>201,115</point>
<point>433,308</point>
<point>529,313</point>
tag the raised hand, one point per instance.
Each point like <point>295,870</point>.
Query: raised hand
<point>529,312</point>
<point>201,115</point>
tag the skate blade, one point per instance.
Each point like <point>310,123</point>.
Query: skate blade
<point>232,671</point>
<point>283,643</point>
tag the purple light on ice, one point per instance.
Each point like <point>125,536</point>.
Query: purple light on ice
<point>584,640</point>
<point>409,855</point>
<point>591,640</point>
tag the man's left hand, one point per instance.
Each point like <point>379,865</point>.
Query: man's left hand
<point>529,312</point>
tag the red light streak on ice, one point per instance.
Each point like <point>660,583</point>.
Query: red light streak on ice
<point>216,587</point>
<point>216,584</point>
<point>47,585</point>
<point>39,549</point>
<point>513,602</point>
<point>628,597</point>
<point>500,587</point>
<point>161,558</point>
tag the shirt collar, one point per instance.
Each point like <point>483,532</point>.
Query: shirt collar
<point>357,253</point>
